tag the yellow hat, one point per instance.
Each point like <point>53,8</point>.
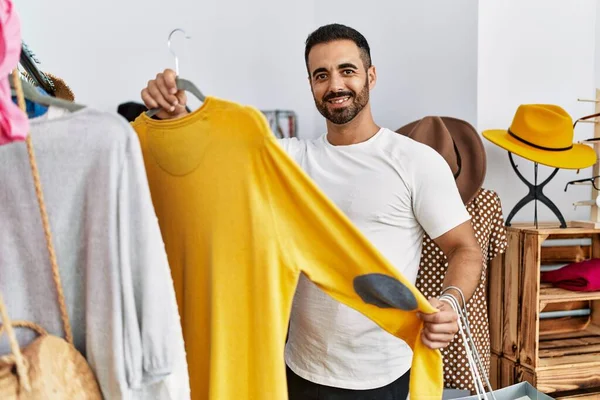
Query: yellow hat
<point>543,133</point>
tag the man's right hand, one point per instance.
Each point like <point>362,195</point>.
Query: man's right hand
<point>162,93</point>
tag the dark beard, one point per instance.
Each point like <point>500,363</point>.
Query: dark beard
<point>344,115</point>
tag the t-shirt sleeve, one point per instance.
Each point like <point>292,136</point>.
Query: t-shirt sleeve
<point>293,147</point>
<point>153,339</point>
<point>436,200</point>
<point>322,242</point>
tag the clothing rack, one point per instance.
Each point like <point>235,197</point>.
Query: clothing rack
<point>274,117</point>
<point>594,221</point>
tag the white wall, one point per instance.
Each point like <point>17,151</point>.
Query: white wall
<point>597,37</point>
<point>425,53</point>
<point>477,62</point>
<point>253,52</point>
<point>535,51</point>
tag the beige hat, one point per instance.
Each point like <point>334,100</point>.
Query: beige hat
<point>62,90</point>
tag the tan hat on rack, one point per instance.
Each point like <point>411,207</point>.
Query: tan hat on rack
<point>460,145</point>
<point>62,90</point>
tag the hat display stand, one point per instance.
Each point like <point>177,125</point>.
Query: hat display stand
<point>535,194</point>
<point>594,221</point>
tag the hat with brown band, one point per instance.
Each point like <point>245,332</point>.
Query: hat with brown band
<point>460,145</point>
<point>543,133</point>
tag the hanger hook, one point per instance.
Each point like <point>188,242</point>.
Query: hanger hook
<point>171,50</point>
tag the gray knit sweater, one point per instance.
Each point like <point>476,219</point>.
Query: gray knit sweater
<point>116,279</point>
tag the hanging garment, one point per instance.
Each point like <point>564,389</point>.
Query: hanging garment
<point>34,109</point>
<point>13,122</point>
<point>116,279</point>
<point>241,221</point>
<point>488,224</point>
<point>130,110</point>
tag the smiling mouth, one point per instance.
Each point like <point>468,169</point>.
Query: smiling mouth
<point>339,100</point>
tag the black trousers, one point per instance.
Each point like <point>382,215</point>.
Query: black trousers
<point>301,389</point>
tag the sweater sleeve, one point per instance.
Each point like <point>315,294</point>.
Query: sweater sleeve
<point>153,339</point>
<point>323,243</point>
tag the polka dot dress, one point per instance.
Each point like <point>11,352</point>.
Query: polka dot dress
<point>486,216</point>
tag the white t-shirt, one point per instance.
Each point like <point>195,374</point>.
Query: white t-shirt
<point>393,189</point>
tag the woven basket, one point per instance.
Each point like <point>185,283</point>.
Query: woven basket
<point>47,368</point>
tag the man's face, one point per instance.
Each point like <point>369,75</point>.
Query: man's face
<point>339,82</point>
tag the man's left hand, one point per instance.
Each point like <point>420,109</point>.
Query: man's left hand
<point>439,328</point>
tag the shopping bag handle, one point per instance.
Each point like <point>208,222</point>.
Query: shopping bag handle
<point>473,358</point>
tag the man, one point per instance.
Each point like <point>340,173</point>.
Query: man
<point>393,189</point>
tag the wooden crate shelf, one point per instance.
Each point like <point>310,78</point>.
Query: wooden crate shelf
<point>588,331</point>
<point>565,254</point>
<point>586,341</point>
<point>494,370</point>
<point>577,379</point>
<point>580,395</point>
<point>556,376</point>
<point>554,354</point>
<point>551,228</point>
<point>551,294</point>
<point>584,396</point>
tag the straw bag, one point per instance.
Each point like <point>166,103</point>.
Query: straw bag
<point>49,367</point>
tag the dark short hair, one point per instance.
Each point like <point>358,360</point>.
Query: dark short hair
<point>332,32</point>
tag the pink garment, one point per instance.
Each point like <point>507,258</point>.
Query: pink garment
<point>13,122</point>
<point>582,276</point>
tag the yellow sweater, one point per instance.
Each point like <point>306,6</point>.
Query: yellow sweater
<point>240,221</point>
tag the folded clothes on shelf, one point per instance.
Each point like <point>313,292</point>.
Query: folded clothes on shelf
<point>580,276</point>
